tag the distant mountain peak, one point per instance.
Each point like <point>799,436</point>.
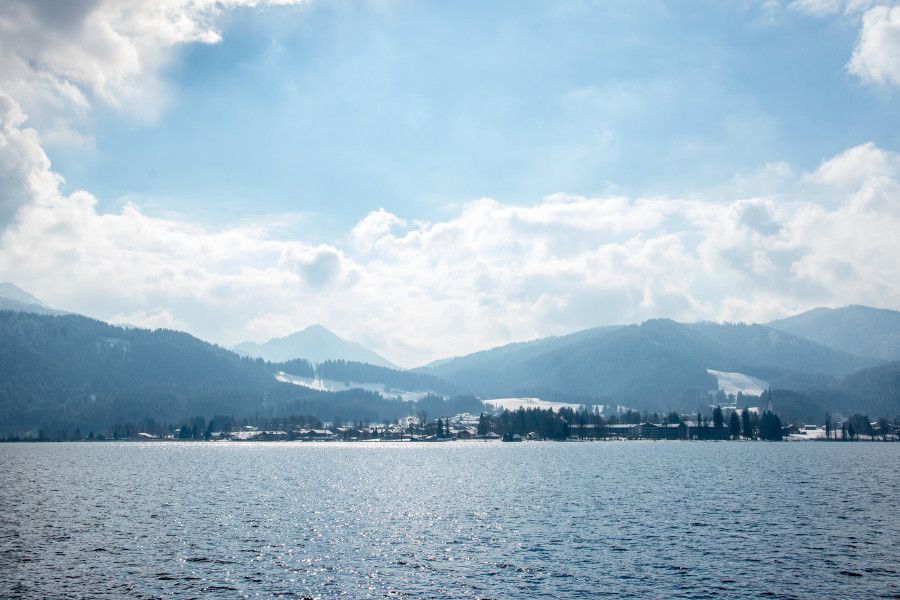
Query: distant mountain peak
<point>11,291</point>
<point>14,298</point>
<point>316,343</point>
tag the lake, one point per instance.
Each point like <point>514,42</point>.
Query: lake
<point>451,520</point>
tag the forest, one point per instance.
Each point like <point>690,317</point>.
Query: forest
<point>64,373</point>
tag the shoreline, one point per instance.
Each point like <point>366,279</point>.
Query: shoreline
<point>423,442</point>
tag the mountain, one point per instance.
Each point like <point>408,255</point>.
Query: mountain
<point>392,379</point>
<point>316,344</point>
<point>874,391</point>
<point>63,372</point>
<point>16,299</point>
<point>657,364</point>
<point>859,330</point>
<point>878,386</point>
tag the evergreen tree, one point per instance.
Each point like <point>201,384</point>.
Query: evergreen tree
<point>770,426</point>
<point>718,418</point>
<point>484,425</point>
<point>734,425</point>
<point>746,425</point>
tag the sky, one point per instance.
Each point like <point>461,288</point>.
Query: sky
<point>434,178</point>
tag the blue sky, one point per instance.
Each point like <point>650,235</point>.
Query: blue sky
<point>434,178</point>
<point>334,109</point>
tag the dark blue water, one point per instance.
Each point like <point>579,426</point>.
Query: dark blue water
<point>456,520</point>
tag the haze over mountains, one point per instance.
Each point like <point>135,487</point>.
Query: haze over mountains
<point>316,344</point>
<point>63,370</point>
<point>859,330</point>
<point>15,298</point>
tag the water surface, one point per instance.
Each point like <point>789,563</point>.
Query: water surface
<point>453,520</point>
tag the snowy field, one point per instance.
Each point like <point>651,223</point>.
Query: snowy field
<point>807,433</point>
<point>732,383</point>
<point>328,385</point>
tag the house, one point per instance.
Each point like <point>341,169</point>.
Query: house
<point>623,431</point>
<point>654,431</point>
<point>313,434</point>
<point>466,433</point>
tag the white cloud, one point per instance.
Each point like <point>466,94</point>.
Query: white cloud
<point>825,8</point>
<point>376,225</point>
<point>855,165</point>
<point>25,174</point>
<point>65,56</point>
<point>159,318</point>
<point>876,58</point>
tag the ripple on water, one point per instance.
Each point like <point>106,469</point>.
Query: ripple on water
<point>684,520</point>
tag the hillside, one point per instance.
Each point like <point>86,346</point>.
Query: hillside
<point>316,344</point>
<point>63,372</point>
<point>658,364</point>
<point>859,330</point>
<point>356,372</point>
<point>874,391</point>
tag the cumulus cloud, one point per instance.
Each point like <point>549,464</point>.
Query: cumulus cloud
<point>876,58</point>
<point>856,165</point>
<point>318,266</point>
<point>377,224</point>
<point>68,55</point>
<point>25,174</point>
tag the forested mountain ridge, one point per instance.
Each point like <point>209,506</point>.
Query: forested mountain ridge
<point>658,363</point>
<point>876,389</point>
<point>357,372</point>
<point>860,330</point>
<point>72,371</point>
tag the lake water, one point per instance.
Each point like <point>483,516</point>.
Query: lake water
<point>453,520</point>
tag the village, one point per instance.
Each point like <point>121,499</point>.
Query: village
<point>545,425</point>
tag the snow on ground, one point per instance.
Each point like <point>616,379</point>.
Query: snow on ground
<point>808,432</point>
<point>732,383</point>
<point>516,403</point>
<point>328,385</point>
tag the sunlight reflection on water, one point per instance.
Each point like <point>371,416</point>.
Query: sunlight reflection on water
<point>463,519</point>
